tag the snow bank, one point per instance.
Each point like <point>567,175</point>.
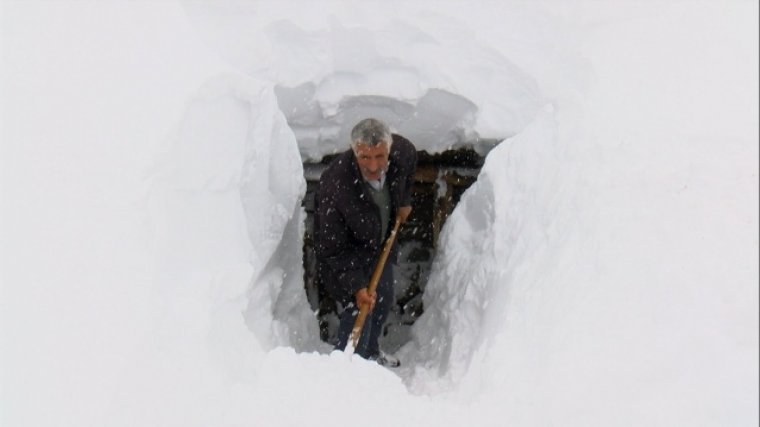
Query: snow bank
<point>506,224</point>
<point>604,259</point>
<point>227,192</point>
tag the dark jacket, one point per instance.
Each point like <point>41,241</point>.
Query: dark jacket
<point>347,222</point>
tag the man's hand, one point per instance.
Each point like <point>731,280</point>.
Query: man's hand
<point>364,297</point>
<point>403,213</point>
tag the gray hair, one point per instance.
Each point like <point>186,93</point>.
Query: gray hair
<point>370,132</point>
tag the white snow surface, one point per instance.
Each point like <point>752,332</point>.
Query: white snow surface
<point>603,270</point>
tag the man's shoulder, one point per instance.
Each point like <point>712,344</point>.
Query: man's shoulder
<point>403,154</point>
<point>402,145</point>
<point>339,168</point>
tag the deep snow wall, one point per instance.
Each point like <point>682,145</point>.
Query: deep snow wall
<point>234,158</point>
<point>608,252</point>
<point>508,224</point>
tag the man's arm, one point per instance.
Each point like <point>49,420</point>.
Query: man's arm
<point>332,235</point>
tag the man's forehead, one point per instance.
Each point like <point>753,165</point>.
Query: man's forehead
<point>382,147</point>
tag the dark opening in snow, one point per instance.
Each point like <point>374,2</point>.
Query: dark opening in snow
<point>440,181</point>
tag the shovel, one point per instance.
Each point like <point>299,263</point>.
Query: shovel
<point>356,332</point>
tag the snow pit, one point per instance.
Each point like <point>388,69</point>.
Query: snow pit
<point>601,271</point>
<point>443,123</point>
<point>294,116</point>
<point>239,122</point>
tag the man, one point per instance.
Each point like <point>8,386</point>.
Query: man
<point>359,196</point>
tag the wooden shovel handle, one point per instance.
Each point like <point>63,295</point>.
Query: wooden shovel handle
<point>364,308</point>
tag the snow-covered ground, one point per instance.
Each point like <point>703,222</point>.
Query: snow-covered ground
<point>602,271</point>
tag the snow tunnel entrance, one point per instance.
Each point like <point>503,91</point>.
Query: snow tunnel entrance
<point>439,182</point>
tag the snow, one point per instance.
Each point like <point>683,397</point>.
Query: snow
<point>602,270</point>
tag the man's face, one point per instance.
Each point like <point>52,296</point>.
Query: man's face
<point>372,159</point>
